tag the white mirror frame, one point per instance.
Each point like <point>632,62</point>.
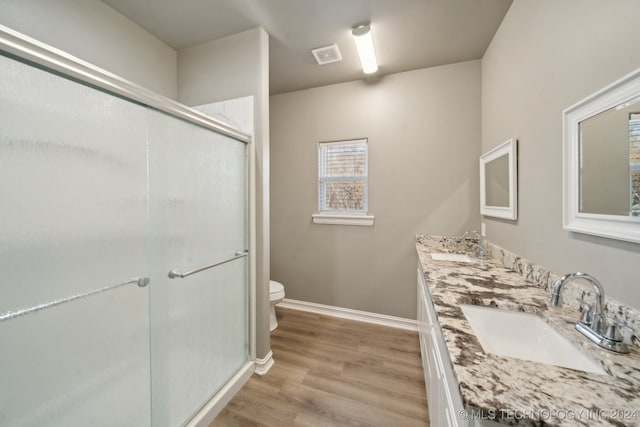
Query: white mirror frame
<point>510,149</point>
<point>618,227</point>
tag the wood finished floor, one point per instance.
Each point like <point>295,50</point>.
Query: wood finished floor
<point>334,372</point>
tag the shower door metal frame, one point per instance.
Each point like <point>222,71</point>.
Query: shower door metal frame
<point>40,54</point>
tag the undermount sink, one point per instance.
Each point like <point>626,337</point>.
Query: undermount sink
<point>441,256</point>
<point>525,336</point>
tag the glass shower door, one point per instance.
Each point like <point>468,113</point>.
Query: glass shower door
<point>198,218</point>
<point>74,324</point>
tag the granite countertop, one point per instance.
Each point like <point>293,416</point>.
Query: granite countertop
<point>513,391</point>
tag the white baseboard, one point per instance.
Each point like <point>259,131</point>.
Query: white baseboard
<point>347,313</point>
<point>217,403</point>
<point>263,365</point>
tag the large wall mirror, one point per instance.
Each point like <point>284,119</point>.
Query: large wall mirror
<point>601,174</point>
<point>499,181</point>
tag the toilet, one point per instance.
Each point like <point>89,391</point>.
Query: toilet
<point>276,294</point>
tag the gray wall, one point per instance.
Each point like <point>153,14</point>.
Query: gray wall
<point>234,67</point>
<point>546,56</point>
<point>92,31</point>
<point>424,137</point>
<point>221,69</point>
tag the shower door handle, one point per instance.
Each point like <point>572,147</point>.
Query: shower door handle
<point>176,274</point>
<point>140,281</point>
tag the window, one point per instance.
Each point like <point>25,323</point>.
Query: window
<point>343,182</point>
<point>634,162</point>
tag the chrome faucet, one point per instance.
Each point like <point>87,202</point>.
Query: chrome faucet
<point>593,323</point>
<point>480,249</point>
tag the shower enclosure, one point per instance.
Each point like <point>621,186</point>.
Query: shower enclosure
<point>125,229</point>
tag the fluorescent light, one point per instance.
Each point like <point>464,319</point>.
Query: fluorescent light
<point>364,44</point>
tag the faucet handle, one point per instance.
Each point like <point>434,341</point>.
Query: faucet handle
<point>480,250</point>
<point>587,313</point>
<point>612,332</point>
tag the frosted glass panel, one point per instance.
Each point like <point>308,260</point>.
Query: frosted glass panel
<point>97,191</point>
<point>74,218</point>
<point>83,363</point>
<point>198,216</point>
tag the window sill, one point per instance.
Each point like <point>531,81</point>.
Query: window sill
<point>343,219</point>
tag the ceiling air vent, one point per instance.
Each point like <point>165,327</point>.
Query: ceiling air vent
<point>327,54</point>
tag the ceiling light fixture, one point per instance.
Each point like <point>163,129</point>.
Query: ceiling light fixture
<point>364,44</point>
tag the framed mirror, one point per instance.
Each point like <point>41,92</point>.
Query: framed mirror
<point>601,162</point>
<point>499,181</point>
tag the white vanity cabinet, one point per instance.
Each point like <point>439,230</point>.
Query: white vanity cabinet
<point>443,395</point>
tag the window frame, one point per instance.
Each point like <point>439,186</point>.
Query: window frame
<point>342,216</point>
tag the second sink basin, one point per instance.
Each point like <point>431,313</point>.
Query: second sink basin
<point>441,256</point>
<point>525,336</point>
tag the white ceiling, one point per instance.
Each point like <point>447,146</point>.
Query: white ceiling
<point>408,34</point>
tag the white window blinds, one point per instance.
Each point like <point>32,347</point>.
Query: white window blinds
<point>342,176</point>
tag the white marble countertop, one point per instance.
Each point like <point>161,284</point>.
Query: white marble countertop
<point>513,391</point>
